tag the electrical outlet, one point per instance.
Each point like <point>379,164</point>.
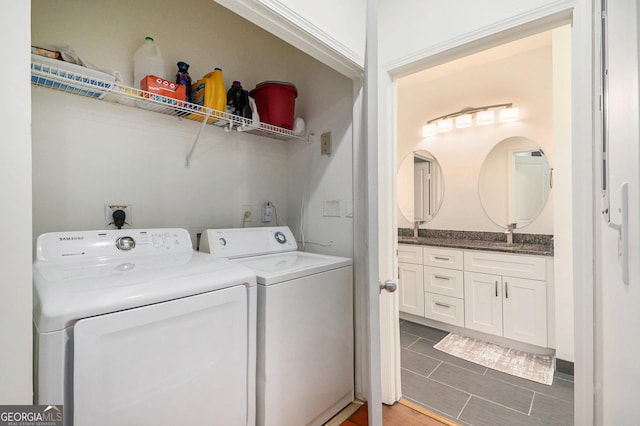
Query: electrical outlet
<point>110,208</point>
<point>325,143</point>
<point>246,212</point>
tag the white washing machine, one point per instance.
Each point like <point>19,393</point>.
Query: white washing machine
<point>133,327</point>
<point>305,324</point>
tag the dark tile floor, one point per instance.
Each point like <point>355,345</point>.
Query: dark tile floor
<point>475,395</point>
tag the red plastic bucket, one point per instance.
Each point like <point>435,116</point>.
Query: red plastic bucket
<point>276,103</point>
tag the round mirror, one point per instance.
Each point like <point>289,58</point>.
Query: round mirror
<point>420,186</point>
<point>514,182</point>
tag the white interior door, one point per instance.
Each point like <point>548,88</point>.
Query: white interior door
<point>617,313</point>
<point>182,362</point>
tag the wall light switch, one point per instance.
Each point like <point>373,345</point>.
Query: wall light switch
<point>325,143</point>
<point>348,208</point>
<point>331,208</point>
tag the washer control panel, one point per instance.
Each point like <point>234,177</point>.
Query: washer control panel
<point>244,242</point>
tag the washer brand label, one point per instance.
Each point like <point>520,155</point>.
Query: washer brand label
<point>30,415</point>
<point>71,238</point>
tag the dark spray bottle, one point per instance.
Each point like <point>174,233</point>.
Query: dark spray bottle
<point>183,77</point>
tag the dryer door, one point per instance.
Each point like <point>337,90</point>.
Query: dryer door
<point>182,362</point>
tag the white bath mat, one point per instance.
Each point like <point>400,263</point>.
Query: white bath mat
<point>538,368</point>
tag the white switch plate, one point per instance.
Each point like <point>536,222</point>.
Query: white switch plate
<point>331,208</point>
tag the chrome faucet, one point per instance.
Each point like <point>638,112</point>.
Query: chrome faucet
<point>509,232</point>
<point>416,227</point>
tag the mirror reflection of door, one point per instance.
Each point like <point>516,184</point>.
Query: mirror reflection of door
<point>427,187</point>
<point>420,187</point>
<point>514,182</point>
<point>530,186</point>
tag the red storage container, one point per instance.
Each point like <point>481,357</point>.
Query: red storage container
<point>276,103</point>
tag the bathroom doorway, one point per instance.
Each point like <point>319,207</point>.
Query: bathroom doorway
<point>533,74</point>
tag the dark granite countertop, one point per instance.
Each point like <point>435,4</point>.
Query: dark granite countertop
<point>534,244</point>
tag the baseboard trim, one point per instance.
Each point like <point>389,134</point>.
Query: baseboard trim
<point>565,367</point>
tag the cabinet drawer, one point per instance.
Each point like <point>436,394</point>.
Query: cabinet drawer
<point>408,253</point>
<point>444,308</point>
<point>447,282</point>
<point>511,265</point>
<point>443,257</point>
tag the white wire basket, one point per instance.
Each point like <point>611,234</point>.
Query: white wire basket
<point>78,80</point>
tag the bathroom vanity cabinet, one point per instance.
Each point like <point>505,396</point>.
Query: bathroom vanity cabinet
<point>506,295</point>
<point>499,294</point>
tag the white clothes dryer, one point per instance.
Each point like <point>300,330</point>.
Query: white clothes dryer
<point>305,324</point>
<point>133,327</point>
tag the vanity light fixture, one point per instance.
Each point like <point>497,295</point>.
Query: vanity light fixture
<point>464,118</point>
<point>485,117</point>
<point>429,130</point>
<point>445,125</point>
<point>508,115</point>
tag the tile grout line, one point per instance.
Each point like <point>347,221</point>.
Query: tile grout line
<point>480,397</point>
<point>464,406</point>
<point>526,388</point>
<point>528,414</point>
<point>531,406</point>
<point>448,363</point>
<point>432,371</point>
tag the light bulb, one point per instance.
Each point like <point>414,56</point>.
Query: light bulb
<point>485,117</point>
<point>429,130</point>
<point>464,120</point>
<point>508,115</point>
<point>445,125</point>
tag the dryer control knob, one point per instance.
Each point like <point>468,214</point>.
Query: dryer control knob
<point>125,243</point>
<point>280,237</point>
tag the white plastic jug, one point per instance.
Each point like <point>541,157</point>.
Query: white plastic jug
<point>147,60</point>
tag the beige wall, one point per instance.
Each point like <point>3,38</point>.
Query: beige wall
<point>524,79</point>
<point>88,154</point>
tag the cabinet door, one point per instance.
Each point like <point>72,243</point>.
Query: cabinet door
<point>483,302</point>
<point>411,288</point>
<point>525,310</point>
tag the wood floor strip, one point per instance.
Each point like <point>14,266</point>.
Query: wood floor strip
<point>427,412</point>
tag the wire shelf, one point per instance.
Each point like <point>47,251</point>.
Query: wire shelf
<point>71,78</point>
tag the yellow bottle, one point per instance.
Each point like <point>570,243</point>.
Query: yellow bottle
<point>219,98</point>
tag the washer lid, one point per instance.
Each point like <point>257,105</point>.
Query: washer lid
<point>276,268</point>
<point>67,290</point>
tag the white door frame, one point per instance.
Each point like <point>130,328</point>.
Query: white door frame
<point>584,110</point>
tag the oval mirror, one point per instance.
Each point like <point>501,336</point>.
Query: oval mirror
<point>420,186</point>
<point>514,182</point>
